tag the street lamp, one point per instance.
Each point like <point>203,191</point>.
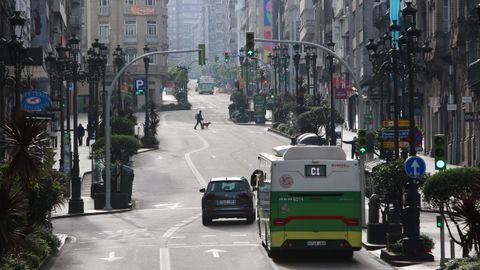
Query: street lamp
<point>103,59</point>
<point>313,58</point>
<point>307,65</point>
<point>17,22</point>
<point>333,139</point>
<point>119,60</point>
<point>75,204</point>
<point>285,63</point>
<point>296,62</point>
<point>146,61</point>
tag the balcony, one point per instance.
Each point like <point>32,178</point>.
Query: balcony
<point>152,38</point>
<point>103,39</point>
<point>127,10</point>
<point>130,39</point>
<point>104,11</point>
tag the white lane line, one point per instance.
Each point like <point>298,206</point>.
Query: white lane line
<point>81,248</point>
<point>164,259</point>
<point>177,244</point>
<point>239,235</point>
<point>180,224</point>
<point>208,235</point>
<point>170,231</point>
<point>242,242</point>
<point>208,243</point>
<point>219,245</point>
<point>178,237</point>
<point>194,170</point>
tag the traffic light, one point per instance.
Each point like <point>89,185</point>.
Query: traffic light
<point>439,222</point>
<point>250,44</point>
<point>362,141</point>
<point>227,57</point>
<point>440,151</point>
<point>201,54</point>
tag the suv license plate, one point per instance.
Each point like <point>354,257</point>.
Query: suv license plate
<point>226,202</point>
<point>316,243</point>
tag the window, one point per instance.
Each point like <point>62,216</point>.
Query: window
<point>103,31</point>
<point>130,30</point>
<point>150,2</point>
<point>130,2</point>
<point>103,7</point>
<point>446,15</point>
<point>151,28</point>
<point>130,54</point>
<point>153,58</point>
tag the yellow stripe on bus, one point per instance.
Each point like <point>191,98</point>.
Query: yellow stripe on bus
<point>354,238</point>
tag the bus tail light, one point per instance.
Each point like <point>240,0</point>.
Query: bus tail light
<point>279,222</point>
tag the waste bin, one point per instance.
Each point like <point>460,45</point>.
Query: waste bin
<point>126,181</point>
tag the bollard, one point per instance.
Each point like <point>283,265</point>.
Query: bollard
<point>452,249</point>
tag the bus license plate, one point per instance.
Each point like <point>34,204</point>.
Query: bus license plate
<point>226,202</point>
<point>316,243</point>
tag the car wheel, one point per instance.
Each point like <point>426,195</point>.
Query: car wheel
<point>206,221</point>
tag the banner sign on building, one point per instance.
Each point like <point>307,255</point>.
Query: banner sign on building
<point>267,28</point>
<point>142,10</point>
<point>35,100</point>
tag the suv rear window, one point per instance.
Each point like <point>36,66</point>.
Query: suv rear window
<point>227,186</point>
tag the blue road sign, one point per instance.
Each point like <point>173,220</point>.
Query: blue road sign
<point>415,167</point>
<point>390,134</point>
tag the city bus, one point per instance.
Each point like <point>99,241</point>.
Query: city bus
<point>308,198</point>
<point>206,85</point>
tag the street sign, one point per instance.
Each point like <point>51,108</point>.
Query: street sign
<point>391,144</point>
<point>467,99</point>
<point>469,116</point>
<point>401,123</point>
<point>368,117</point>
<point>390,134</point>
<point>139,86</point>
<point>451,107</point>
<point>415,166</point>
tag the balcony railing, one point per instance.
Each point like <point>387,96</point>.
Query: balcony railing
<point>152,38</point>
<point>130,38</point>
<point>104,10</point>
<point>127,10</point>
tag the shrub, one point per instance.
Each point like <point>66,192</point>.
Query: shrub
<point>119,125</point>
<point>467,263</point>
<point>283,128</point>
<point>176,107</point>
<point>122,146</point>
<point>275,125</point>
<point>149,141</point>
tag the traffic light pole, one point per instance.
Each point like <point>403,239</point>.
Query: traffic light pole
<point>108,134</point>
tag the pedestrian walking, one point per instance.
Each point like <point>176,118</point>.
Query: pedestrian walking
<point>80,133</point>
<point>90,133</point>
<point>199,119</point>
<point>353,142</point>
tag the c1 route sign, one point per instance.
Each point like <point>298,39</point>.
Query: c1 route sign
<point>415,167</point>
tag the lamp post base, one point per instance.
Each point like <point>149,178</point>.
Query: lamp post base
<point>75,206</point>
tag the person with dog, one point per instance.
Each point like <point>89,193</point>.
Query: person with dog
<point>199,119</point>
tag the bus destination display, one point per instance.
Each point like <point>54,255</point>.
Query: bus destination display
<point>315,170</point>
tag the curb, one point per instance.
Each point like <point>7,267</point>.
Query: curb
<point>95,213</point>
<point>143,150</point>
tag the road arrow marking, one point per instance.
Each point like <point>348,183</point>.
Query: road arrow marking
<point>111,257</point>
<point>167,205</point>
<point>215,252</point>
<point>415,166</point>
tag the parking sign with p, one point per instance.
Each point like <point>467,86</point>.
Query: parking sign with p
<point>140,86</point>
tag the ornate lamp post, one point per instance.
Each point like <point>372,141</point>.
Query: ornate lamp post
<point>75,204</point>
<point>285,63</point>
<point>333,139</point>
<point>103,67</point>
<point>313,58</point>
<point>307,64</point>
<point>296,62</point>
<point>119,60</point>
<point>17,21</point>
<point>146,62</point>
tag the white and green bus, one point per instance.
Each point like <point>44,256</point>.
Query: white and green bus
<point>308,199</point>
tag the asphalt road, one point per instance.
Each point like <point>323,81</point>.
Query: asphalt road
<point>165,231</point>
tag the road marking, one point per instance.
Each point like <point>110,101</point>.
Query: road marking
<point>177,244</point>
<point>215,252</point>
<point>164,259</point>
<point>208,243</point>
<point>111,257</point>
<point>81,248</point>
<point>242,242</point>
<point>213,156</point>
<point>208,235</point>
<point>170,231</point>
<point>239,235</point>
<point>219,245</point>
<point>178,237</point>
<point>167,205</point>
<point>190,164</point>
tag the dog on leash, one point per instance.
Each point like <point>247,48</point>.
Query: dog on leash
<point>206,124</point>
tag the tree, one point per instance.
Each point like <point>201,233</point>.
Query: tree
<point>456,193</point>
<point>315,119</point>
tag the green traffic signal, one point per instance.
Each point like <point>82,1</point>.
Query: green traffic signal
<point>250,44</point>
<point>227,57</point>
<point>439,221</point>
<point>440,151</point>
<point>362,141</point>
